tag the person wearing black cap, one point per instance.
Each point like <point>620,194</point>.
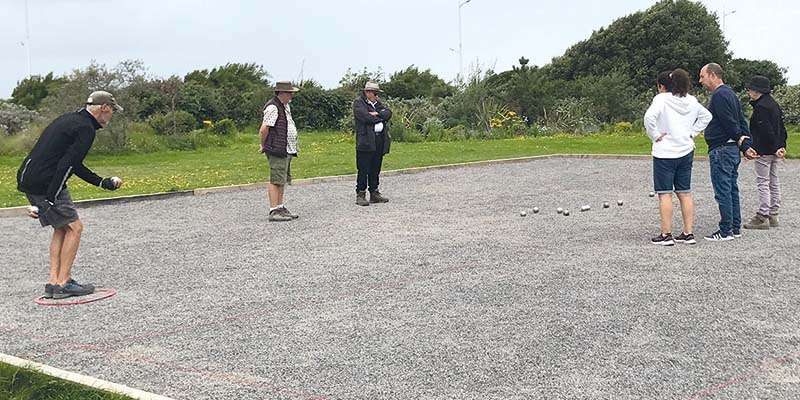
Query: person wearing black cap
<point>43,175</point>
<point>769,141</point>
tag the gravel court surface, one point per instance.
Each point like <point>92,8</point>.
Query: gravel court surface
<point>445,292</point>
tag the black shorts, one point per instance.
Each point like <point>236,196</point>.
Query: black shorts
<point>61,214</point>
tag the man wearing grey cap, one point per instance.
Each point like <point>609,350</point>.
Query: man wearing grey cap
<point>43,175</point>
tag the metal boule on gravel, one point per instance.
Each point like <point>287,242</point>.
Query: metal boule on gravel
<point>523,213</point>
<point>566,213</point>
<point>606,205</point>
<point>535,210</point>
<point>585,208</point>
<point>652,194</point>
<point>619,202</point>
<point>559,210</point>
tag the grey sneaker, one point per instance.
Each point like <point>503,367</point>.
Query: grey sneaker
<point>757,222</point>
<point>361,198</point>
<point>289,213</point>
<point>773,220</point>
<point>377,197</point>
<point>71,289</point>
<point>277,215</point>
<point>48,290</point>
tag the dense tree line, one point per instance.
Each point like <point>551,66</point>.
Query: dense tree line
<point>606,79</point>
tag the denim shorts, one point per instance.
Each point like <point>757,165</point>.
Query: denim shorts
<point>673,174</point>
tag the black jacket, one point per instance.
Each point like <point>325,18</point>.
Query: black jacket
<point>766,125</point>
<point>365,124</point>
<point>58,154</point>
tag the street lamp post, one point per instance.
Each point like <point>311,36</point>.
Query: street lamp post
<point>27,39</point>
<point>460,47</point>
<point>725,14</point>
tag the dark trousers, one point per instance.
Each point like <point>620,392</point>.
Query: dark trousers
<point>369,166</point>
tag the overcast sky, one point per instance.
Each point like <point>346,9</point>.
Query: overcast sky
<point>326,37</point>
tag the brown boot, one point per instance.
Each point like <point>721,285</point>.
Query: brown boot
<point>758,222</point>
<point>376,197</point>
<point>361,198</point>
<point>773,220</point>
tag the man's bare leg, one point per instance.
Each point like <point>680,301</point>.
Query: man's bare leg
<point>69,249</point>
<point>55,254</point>
<point>275,194</point>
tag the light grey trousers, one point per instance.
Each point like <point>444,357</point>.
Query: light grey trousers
<point>769,192</point>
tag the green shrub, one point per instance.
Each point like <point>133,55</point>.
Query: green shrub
<point>14,118</point>
<point>402,133</point>
<point>21,143</point>
<point>173,123</point>
<point>433,130</point>
<point>224,127</point>
<point>572,115</point>
<point>788,97</point>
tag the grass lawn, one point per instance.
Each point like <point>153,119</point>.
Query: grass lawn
<point>24,384</point>
<point>321,154</point>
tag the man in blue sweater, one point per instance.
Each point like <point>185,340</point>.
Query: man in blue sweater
<point>726,136</point>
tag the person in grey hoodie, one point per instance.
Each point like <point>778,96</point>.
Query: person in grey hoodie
<point>672,121</point>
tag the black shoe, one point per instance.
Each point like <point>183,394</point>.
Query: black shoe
<point>737,233</point>
<point>686,238</point>
<point>71,289</point>
<point>663,240</point>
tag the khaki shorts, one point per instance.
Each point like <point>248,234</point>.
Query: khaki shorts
<point>280,171</point>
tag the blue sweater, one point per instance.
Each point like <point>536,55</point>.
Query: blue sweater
<point>728,122</point>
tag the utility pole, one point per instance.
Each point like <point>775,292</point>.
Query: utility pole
<point>725,14</point>
<point>27,38</point>
<point>460,47</point>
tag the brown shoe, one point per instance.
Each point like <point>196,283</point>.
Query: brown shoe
<point>773,220</point>
<point>377,197</point>
<point>361,198</point>
<point>277,215</point>
<point>757,222</point>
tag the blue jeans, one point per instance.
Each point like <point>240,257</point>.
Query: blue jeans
<point>724,161</point>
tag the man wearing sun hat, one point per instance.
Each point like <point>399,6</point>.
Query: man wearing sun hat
<point>372,143</point>
<point>279,143</point>
<point>58,153</point>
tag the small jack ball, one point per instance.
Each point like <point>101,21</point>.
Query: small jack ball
<point>652,194</point>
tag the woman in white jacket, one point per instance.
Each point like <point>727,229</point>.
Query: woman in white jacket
<point>672,122</point>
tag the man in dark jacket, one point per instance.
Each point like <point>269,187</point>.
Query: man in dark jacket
<point>43,176</point>
<point>726,136</point>
<point>372,143</point>
<point>769,141</point>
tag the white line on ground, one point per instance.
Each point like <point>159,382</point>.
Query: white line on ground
<point>81,379</point>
